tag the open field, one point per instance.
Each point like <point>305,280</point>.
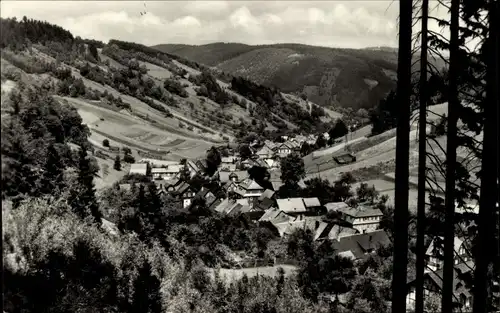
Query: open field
<point>156,71</point>
<point>137,133</point>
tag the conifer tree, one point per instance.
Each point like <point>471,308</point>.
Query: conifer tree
<point>147,297</point>
<point>117,165</point>
<point>52,178</point>
<point>83,197</point>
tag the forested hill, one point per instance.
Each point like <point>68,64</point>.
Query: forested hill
<point>354,78</point>
<point>200,99</point>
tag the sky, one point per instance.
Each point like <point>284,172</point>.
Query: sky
<point>344,24</point>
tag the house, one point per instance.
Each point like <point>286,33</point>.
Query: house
<point>261,163</point>
<point>300,139</point>
<point>292,206</point>
<point>138,169</point>
<point>433,285</point>
<point>286,228</point>
<point>207,195</point>
<point>250,190</point>
<point>275,216</point>
<point>269,194</point>
<point>232,207</point>
<point>434,253</point>
<point>265,153</point>
<point>166,173</point>
<point>264,204</point>
<point>185,192</point>
<point>335,206</point>
<point>201,164</point>
<point>158,172</point>
<point>362,218</point>
<point>271,145</point>
<point>332,231</point>
<point>312,205</point>
<point>287,148</point>
<point>193,168</point>
<point>272,163</point>
<point>362,245</point>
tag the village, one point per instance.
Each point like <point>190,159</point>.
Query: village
<point>356,233</point>
<point>244,196</point>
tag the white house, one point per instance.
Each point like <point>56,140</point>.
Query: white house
<point>363,219</point>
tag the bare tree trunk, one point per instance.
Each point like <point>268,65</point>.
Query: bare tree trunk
<point>402,159</point>
<point>451,158</point>
<point>489,169</point>
<point>422,119</point>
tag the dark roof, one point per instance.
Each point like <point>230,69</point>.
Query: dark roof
<point>362,243</point>
<point>459,285</point>
<point>264,204</point>
<point>182,188</point>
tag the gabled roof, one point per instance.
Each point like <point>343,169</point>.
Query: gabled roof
<point>459,286</point>
<point>360,211</point>
<point>192,164</point>
<point>291,205</point>
<point>182,188</point>
<point>250,184</point>
<point>362,243</point>
<point>203,192</point>
<point>335,206</point>
<point>457,243</point>
<point>223,205</point>
<point>275,216</point>
<point>261,163</point>
<point>266,194</point>
<point>335,232</point>
<point>270,144</point>
<point>265,151</point>
<point>264,204</point>
<point>288,227</point>
<point>338,232</point>
<point>276,184</point>
<point>311,202</point>
<point>286,144</point>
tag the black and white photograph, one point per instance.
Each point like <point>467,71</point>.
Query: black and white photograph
<point>250,156</point>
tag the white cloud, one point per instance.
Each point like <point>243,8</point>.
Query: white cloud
<point>328,23</point>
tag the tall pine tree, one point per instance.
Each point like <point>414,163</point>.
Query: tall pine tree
<point>147,297</point>
<point>83,199</point>
<point>52,180</point>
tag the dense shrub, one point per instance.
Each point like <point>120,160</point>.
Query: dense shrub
<point>175,87</point>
